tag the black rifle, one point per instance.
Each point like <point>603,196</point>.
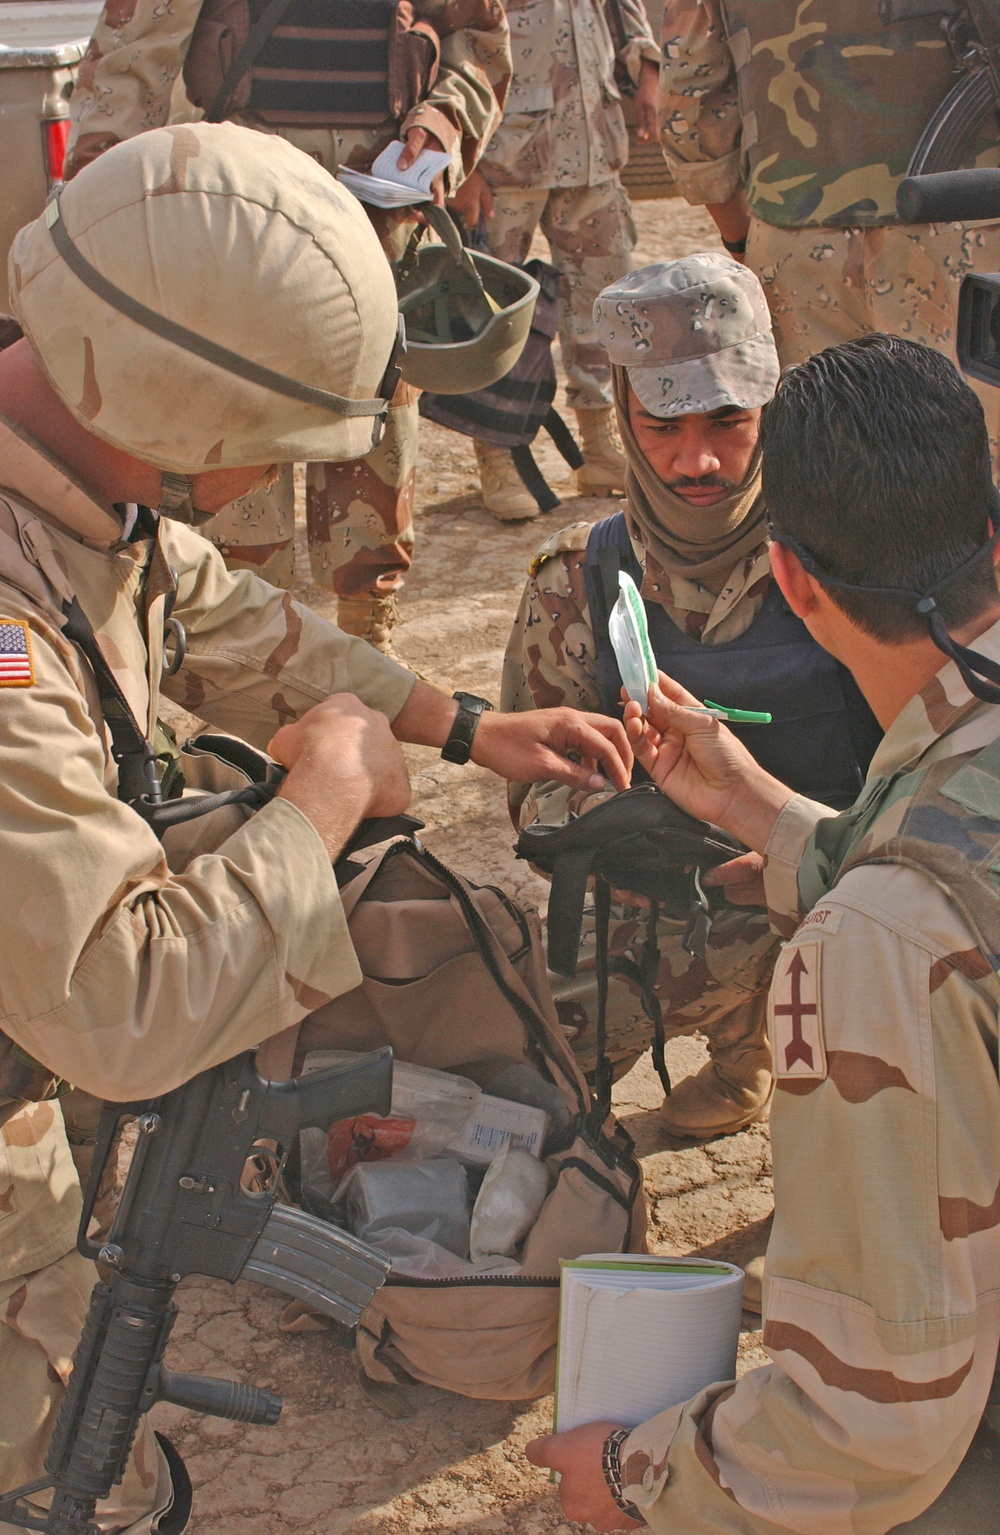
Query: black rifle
<point>199,1199</point>
<point>972,28</point>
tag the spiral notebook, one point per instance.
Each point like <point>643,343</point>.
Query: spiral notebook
<point>638,1334</point>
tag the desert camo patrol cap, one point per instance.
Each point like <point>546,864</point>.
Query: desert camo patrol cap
<point>694,335</point>
<point>205,296</point>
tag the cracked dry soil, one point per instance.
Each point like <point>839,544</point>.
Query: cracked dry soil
<point>334,1463</point>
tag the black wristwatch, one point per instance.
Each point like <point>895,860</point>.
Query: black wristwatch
<point>611,1466</point>
<point>458,747</point>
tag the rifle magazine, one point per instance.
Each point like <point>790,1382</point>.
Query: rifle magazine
<point>316,1262</point>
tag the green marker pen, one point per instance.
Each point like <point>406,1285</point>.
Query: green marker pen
<point>733,716</point>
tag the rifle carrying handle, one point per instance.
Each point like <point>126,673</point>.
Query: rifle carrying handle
<point>949,197</point>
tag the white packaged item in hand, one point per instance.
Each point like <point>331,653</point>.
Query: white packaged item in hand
<point>629,636</point>
<point>428,1199</point>
<point>492,1123</point>
<point>389,187</point>
<point>508,1205</point>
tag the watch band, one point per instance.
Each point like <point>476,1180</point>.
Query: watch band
<point>471,708</point>
<point>611,1466</point>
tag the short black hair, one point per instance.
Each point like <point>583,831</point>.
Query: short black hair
<point>876,459</point>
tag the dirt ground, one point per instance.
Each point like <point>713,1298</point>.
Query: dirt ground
<point>335,1463</point>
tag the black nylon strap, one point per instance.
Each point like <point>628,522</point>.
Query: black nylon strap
<point>138,780</point>
<point>566,902</point>
<point>254,41</point>
<point>650,970</point>
<point>563,438</point>
<point>603,1074</point>
<point>533,479</point>
<point>189,340</point>
<point>133,753</point>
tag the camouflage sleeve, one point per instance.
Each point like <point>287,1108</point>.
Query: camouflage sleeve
<point>639,40</point>
<point>465,104</point>
<point>256,658</point>
<point>881,1313</point>
<point>699,110</point>
<point>127,76</point>
<point>550,661</point>
<point>783,854</point>
<point>119,975</point>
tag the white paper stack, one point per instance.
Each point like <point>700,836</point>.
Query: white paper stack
<point>639,1334</point>
<point>388,186</point>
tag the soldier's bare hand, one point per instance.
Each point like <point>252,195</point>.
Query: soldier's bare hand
<point>583,1490</point>
<point>473,200</point>
<point>645,101</point>
<point>741,880</point>
<point>577,749</point>
<point>732,220</point>
<point>344,764</point>
<point>417,140</point>
<point>701,765</point>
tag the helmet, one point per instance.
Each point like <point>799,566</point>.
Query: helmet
<point>207,297</point>
<point>467,314</point>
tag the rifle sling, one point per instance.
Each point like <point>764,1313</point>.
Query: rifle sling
<point>138,781</point>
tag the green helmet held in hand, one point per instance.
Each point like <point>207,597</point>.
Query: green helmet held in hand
<point>467,314</point>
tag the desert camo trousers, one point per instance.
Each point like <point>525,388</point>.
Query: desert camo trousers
<point>714,995</point>
<point>359,516</point>
<point>591,235</point>
<point>825,286</point>
<point>41,1317</point>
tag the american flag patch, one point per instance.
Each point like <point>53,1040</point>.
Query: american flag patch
<point>16,670</point>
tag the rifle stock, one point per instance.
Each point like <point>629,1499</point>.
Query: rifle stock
<point>187,1209</point>
<point>973,31</point>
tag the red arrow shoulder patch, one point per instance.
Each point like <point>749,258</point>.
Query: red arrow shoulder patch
<point>795,1013</point>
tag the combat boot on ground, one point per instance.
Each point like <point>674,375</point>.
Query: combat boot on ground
<point>504,492</point>
<point>751,1261</point>
<point>734,1089</point>
<point>371,618</point>
<point>603,472</point>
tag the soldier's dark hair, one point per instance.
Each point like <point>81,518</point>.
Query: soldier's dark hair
<point>876,461</point>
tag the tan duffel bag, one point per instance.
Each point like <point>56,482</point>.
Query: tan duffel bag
<point>455,980</point>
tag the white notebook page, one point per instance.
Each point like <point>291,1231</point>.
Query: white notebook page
<point>637,1340</point>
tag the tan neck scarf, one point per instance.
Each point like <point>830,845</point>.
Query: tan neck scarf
<point>694,542</point>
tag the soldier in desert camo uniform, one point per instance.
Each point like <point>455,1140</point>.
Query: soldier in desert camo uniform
<point>359,515</point>
<point>554,162</point>
<point>129,966</point>
<point>794,124</point>
<point>879,1407</point>
<point>693,365</point>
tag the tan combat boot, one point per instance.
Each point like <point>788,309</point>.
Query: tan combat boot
<point>504,492</point>
<point>603,472</point>
<point>751,1261</point>
<point>371,618</point>
<point>734,1089</point>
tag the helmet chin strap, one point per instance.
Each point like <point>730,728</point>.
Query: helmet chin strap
<point>176,491</point>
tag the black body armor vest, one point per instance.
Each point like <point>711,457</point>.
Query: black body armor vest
<point>822,735</point>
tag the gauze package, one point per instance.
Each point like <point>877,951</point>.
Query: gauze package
<point>508,1205</point>
<point>492,1123</point>
<point>429,1199</point>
